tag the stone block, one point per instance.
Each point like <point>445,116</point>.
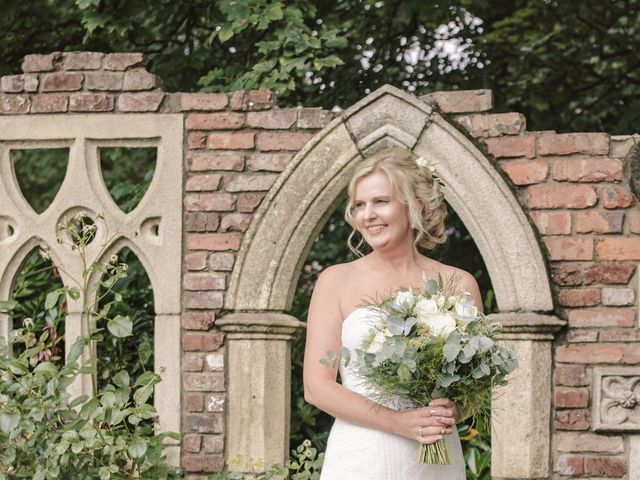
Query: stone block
<point>221,261</point>
<point>140,102</point>
<point>313,118</point>
<point>19,83</point>
<point>91,102</point>
<point>82,60</point>
<point>62,82</point>
<point>461,101</point>
<point>14,104</point>
<point>492,125</point>
<point>50,104</point>
<point>104,81</point>
<point>40,63</point>
<point>123,61</point>
<point>618,296</point>
<point>140,79</point>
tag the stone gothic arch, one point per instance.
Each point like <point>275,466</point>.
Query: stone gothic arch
<point>275,246</point>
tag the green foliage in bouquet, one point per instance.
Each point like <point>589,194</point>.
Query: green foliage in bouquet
<point>47,434</point>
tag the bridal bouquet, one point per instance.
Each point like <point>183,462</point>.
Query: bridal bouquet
<point>433,343</point>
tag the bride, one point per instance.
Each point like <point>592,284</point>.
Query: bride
<point>395,204</point>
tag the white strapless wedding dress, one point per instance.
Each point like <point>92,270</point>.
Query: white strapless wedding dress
<point>360,453</point>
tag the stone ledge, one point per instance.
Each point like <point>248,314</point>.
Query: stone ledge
<point>462,101</point>
<point>527,325</point>
<point>260,325</point>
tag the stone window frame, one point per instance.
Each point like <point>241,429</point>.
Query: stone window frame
<point>83,189</point>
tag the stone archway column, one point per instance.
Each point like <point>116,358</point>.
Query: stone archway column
<point>521,410</point>
<point>258,351</point>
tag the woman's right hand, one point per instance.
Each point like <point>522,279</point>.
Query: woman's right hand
<point>425,425</point>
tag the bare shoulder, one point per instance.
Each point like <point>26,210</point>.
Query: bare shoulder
<point>466,281</point>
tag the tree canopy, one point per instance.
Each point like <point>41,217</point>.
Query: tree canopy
<point>567,65</point>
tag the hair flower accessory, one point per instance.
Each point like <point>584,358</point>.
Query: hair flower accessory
<point>424,163</point>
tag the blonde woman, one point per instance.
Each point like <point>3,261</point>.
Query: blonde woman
<point>395,205</point>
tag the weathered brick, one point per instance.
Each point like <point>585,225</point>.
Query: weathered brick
<point>589,353</point>
<point>616,196</point>
<point>618,248</point>
<point>571,398</point>
<point>631,353</point>
<point>14,104</point>
<point>579,297</point>
<point>570,375</point>
<point>202,222</point>
<point>314,118</point>
<point>203,101</point>
<point>273,119</point>
<point>252,100</point>
<point>202,161</point>
<point>62,82</point>
<point>203,300</point>
<point>618,296</point>
<point>140,79</point>
<point>461,101</point>
<point>197,320</point>
<point>19,83</point>
<point>576,335</point>
<point>561,196</point>
<point>552,223</point>
<point>214,362</point>
<point>602,317</point>
<point>214,402</point>
<point>598,221</point>
<point>512,146</point>
<point>213,443</point>
<point>194,402</point>
<point>608,273</point>
<point>269,141</point>
<point>82,60</point>
<point>140,102</point>
<point>588,442</point>
<point>204,281</point>
<point>570,465</point>
<point>123,61</point>
<point>203,183</point>
<point>195,260</point>
<point>247,202</point>
<point>108,81</point>
<point>209,202</point>
<point>571,420</point>
<point>569,248</point>
<point>50,104</point>
<point>202,341</point>
<point>492,125</point>
<point>91,102</point>
<point>197,140</point>
<point>192,443</point>
<point>193,463</point>
<point>634,221</point>
<point>250,182</point>
<point>605,466</point>
<point>40,63</point>
<point>592,169</point>
<point>231,141</point>
<point>567,143</point>
<point>214,241</point>
<point>222,261</point>
<point>204,423</point>
<point>566,274</point>
<point>192,362</point>
<point>526,172</point>
<point>620,335</point>
<point>204,382</point>
<point>237,222</point>
<point>215,121</point>
<point>270,162</point>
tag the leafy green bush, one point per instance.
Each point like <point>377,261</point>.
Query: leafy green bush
<point>47,434</point>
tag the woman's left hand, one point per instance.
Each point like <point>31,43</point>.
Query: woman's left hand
<point>446,408</point>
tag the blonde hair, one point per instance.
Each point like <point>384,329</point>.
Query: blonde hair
<point>414,186</point>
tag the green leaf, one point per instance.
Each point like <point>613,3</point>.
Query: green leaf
<point>451,351</point>
<point>120,326</point>
<point>108,399</point>
<point>52,299</point>
<point>137,447</point>
<point>77,401</point>
<point>8,422</point>
<point>225,33</point>
<point>18,368</point>
<point>8,305</point>
<point>47,369</point>
<point>75,351</point>
<point>121,379</point>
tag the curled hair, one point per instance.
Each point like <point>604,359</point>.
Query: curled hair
<point>414,186</point>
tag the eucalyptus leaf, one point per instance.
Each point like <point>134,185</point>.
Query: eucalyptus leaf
<point>120,326</point>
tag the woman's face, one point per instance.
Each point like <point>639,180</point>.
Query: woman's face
<point>381,218</point>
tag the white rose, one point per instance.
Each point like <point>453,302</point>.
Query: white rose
<point>425,307</point>
<point>440,325</point>
<point>376,344</point>
<point>404,299</point>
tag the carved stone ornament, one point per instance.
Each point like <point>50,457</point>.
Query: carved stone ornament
<point>616,405</point>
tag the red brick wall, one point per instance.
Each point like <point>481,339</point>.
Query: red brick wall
<point>571,185</point>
